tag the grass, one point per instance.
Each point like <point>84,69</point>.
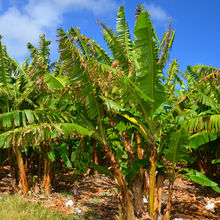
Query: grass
<point>15,207</point>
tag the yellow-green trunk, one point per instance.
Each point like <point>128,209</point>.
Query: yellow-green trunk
<point>152,181</point>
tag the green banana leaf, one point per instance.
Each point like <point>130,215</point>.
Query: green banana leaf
<point>200,178</point>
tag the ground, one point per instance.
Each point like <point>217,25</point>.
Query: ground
<point>95,197</point>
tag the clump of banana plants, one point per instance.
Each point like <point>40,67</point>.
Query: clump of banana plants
<point>143,119</point>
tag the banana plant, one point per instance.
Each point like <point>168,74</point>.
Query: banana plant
<point>137,66</point>
<point>197,114</point>
<point>86,73</point>
<point>179,150</point>
<point>142,88</point>
<point>144,91</point>
<point>31,110</point>
<point>176,152</point>
<point>8,96</point>
<point>123,101</point>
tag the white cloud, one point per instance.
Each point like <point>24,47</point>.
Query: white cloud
<point>23,24</point>
<point>17,29</point>
<point>157,13</point>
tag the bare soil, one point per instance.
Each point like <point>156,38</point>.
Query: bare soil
<point>95,197</point>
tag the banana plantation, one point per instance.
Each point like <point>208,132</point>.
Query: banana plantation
<point>127,112</point>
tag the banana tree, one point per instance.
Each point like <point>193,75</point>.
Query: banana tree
<point>27,93</point>
<point>137,67</point>
<point>143,90</point>
<point>206,105</point>
<point>8,68</point>
<point>88,66</point>
<point>85,73</point>
<point>197,114</point>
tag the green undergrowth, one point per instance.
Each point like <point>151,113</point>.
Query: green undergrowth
<point>15,207</point>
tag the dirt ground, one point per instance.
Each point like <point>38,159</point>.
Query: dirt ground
<point>95,197</point>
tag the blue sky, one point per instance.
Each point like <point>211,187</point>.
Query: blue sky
<point>196,22</point>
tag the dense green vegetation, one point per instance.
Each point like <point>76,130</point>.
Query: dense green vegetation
<point>122,110</point>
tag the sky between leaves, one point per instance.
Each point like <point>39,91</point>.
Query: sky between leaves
<point>196,22</point>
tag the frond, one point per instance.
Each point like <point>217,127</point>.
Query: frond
<point>138,11</point>
<point>5,73</point>
<point>23,118</point>
<point>123,32</point>
<point>98,69</point>
<point>84,79</point>
<point>54,82</point>
<point>58,68</point>
<point>130,116</point>
<point>80,41</point>
<point>40,61</point>
<point>177,147</point>
<point>32,49</point>
<point>35,134</point>
<point>206,100</point>
<point>148,73</point>
<point>101,55</point>
<point>209,123</point>
<point>200,178</point>
<point>117,48</point>
<point>201,138</point>
<point>44,49</point>
<point>173,77</point>
<point>112,106</point>
<point>196,73</point>
<point>24,96</point>
<point>68,51</point>
<point>7,92</point>
<point>22,82</point>
<point>165,46</point>
<point>202,70</point>
<point>202,82</point>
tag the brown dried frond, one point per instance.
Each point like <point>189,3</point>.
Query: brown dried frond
<point>137,11</point>
<point>115,64</point>
<point>109,78</point>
